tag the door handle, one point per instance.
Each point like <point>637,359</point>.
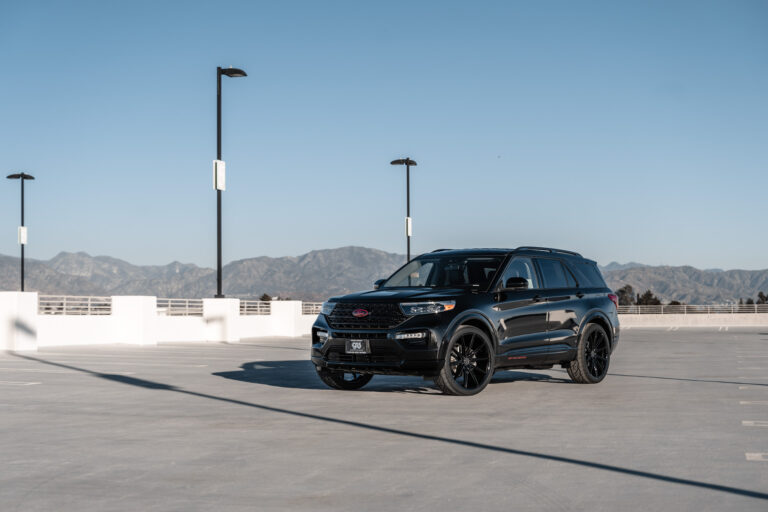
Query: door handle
<point>580,295</point>
<point>536,298</point>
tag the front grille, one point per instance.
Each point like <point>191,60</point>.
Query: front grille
<point>363,335</point>
<point>381,316</point>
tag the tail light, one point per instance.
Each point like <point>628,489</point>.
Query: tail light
<point>614,299</point>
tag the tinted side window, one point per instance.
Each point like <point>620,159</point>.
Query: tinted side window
<point>588,275</point>
<point>521,267</point>
<point>554,275</point>
<point>569,277</point>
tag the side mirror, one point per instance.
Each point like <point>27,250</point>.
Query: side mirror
<point>516,283</point>
<point>378,283</point>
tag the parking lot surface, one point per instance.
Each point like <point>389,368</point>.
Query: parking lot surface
<point>680,423</point>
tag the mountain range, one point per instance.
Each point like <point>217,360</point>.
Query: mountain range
<point>312,276</point>
<point>323,273</point>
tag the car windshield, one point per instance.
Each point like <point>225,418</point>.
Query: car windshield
<point>446,272</point>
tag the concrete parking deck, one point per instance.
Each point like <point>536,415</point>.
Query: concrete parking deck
<point>681,423</point>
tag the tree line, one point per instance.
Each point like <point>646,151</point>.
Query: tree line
<point>761,299</point>
<point>628,297</point>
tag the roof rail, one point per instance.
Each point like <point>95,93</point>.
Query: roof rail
<point>441,250</point>
<point>547,249</point>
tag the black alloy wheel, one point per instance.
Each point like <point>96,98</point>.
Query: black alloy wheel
<point>343,380</point>
<point>593,355</point>
<point>468,365</point>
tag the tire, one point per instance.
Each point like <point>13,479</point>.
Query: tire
<point>593,356</point>
<point>469,363</point>
<point>347,381</point>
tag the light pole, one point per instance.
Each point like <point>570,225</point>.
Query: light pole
<point>407,162</point>
<point>218,167</point>
<point>22,176</point>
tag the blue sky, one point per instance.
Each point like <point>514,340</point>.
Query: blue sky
<point>624,130</point>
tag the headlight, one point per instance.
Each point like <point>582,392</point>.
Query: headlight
<point>425,308</point>
<point>327,308</point>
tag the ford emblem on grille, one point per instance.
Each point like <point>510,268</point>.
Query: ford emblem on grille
<point>360,313</point>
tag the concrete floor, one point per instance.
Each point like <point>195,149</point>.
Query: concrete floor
<point>250,427</point>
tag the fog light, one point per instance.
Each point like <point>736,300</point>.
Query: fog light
<point>410,335</point>
<point>322,336</point>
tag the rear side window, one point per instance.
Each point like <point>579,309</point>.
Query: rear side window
<point>587,274</point>
<point>554,275</point>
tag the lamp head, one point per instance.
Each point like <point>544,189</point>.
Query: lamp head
<point>403,161</point>
<point>232,72</point>
<point>20,176</point>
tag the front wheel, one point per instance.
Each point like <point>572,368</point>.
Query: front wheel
<point>343,380</point>
<point>468,364</point>
<point>593,355</point>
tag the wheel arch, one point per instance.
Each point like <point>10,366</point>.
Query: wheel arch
<point>601,319</point>
<point>474,319</point>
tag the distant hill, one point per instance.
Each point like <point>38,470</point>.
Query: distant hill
<point>620,266</point>
<point>316,275</point>
<point>320,274</point>
<point>691,285</point>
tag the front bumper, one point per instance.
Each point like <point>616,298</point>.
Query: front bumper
<point>388,355</point>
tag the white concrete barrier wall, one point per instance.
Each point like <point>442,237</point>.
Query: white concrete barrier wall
<point>286,320</point>
<point>305,324</point>
<point>60,330</point>
<point>134,320</point>
<point>221,319</point>
<point>715,320</point>
<point>256,326</point>
<point>190,329</point>
<point>18,321</point>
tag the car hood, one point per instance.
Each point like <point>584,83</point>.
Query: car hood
<point>400,295</point>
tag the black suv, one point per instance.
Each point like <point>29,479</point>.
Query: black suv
<point>457,316</point>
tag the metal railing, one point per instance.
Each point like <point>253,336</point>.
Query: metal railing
<point>72,305</point>
<point>180,307</point>
<point>311,308</point>
<point>255,307</point>
<point>687,309</point>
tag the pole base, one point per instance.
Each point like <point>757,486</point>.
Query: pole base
<point>218,296</point>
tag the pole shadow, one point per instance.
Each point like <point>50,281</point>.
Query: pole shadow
<point>680,379</point>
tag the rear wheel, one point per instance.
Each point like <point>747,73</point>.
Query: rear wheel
<point>468,364</point>
<point>343,380</point>
<point>593,355</point>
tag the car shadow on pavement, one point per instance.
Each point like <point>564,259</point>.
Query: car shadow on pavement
<point>283,374</point>
<point>502,376</point>
<point>300,374</point>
